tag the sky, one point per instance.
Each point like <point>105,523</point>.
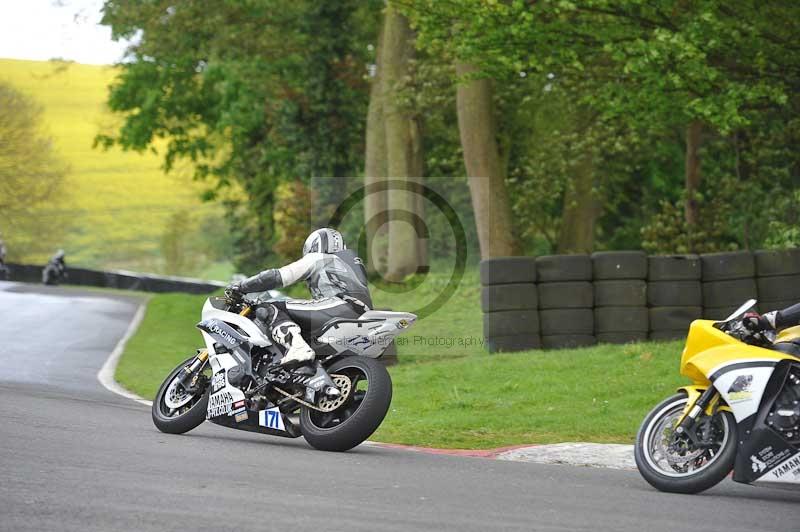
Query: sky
<point>65,29</point>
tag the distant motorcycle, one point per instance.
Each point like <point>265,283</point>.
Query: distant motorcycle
<point>55,271</point>
<point>237,382</point>
<point>741,413</point>
<point>5,274</point>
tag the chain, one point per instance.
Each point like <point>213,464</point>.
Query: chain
<point>341,380</point>
<point>297,399</point>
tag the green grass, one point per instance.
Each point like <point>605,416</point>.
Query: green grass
<point>596,394</point>
<point>460,396</point>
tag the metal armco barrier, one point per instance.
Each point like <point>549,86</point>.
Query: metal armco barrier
<point>559,301</point>
<point>120,279</point>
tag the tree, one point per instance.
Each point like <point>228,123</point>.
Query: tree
<point>251,93</point>
<point>30,169</point>
<point>648,68</point>
<point>375,170</point>
<point>485,169</point>
<point>404,159</point>
<point>31,172</point>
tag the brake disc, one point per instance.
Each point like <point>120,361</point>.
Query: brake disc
<point>329,404</point>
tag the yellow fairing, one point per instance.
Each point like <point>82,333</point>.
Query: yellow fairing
<point>792,333</point>
<point>707,348</point>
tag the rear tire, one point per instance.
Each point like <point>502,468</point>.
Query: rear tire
<point>186,419</point>
<point>718,463</point>
<point>366,412</point>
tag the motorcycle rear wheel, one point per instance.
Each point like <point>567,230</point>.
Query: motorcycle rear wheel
<point>359,415</point>
<point>190,413</point>
<point>677,465</point>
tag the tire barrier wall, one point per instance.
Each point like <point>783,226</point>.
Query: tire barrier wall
<point>728,281</point>
<point>124,280</point>
<point>566,300</point>
<point>509,301</point>
<point>674,294</point>
<point>559,301</point>
<point>620,289</point>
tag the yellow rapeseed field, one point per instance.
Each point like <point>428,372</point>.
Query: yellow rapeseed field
<point>119,203</point>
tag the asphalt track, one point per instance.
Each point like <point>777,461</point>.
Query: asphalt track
<point>74,456</point>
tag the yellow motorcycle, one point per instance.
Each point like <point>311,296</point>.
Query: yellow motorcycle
<point>741,413</point>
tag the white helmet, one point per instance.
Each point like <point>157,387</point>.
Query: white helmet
<point>324,241</point>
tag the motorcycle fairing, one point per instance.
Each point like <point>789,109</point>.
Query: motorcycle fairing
<point>217,332</point>
<point>708,350</point>
<point>224,396</point>
<point>741,385</point>
<point>369,335</point>
<point>252,424</point>
<point>246,326</point>
<point>762,456</point>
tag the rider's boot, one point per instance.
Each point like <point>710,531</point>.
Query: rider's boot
<point>297,350</point>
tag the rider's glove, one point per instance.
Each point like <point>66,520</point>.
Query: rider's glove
<point>234,291</point>
<point>755,322</point>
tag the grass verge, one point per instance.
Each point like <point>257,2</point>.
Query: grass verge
<point>448,391</point>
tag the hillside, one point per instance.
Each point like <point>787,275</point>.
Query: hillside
<point>119,204</point>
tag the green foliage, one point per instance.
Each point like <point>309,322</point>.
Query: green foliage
<point>292,223</point>
<point>668,231</point>
<point>784,232</point>
<point>644,71</point>
<point>250,93</point>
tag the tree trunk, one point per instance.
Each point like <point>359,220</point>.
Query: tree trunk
<point>375,171</point>
<point>485,171</point>
<point>693,176</point>
<point>580,210</point>
<point>403,149</point>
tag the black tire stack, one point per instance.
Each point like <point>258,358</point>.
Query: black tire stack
<point>778,278</point>
<point>509,303</point>
<point>566,298</point>
<point>620,302</point>
<point>728,281</point>
<point>674,295</point>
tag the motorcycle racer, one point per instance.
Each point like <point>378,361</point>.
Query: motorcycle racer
<point>336,278</point>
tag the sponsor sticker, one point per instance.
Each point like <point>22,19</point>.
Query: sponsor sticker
<point>225,335</point>
<point>241,416</point>
<point>218,381</point>
<point>740,389</point>
<point>757,465</point>
<point>787,471</point>
<point>219,404</point>
<point>271,418</point>
<point>768,457</point>
<point>359,341</point>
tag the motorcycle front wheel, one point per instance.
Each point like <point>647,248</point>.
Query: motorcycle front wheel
<point>367,394</point>
<point>673,463</point>
<point>175,410</point>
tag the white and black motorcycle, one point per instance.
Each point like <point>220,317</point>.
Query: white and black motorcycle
<point>236,381</point>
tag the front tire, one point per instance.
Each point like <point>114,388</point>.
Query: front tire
<point>182,418</point>
<point>360,414</point>
<point>673,464</point>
